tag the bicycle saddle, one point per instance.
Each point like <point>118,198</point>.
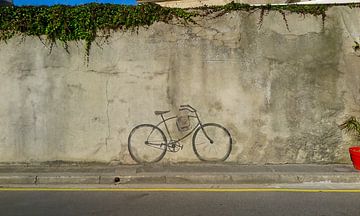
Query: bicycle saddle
<point>161,112</point>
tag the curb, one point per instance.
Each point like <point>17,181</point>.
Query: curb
<point>178,178</point>
<point>243,178</point>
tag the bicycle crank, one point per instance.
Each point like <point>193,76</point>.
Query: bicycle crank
<point>174,146</point>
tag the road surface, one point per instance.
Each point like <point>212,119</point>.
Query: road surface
<point>180,202</point>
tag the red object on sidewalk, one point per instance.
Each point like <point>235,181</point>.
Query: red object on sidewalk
<point>355,156</point>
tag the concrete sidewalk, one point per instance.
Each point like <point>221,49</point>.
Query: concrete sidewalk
<point>198,173</point>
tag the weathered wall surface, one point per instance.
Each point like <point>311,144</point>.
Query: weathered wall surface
<point>281,93</point>
<point>201,3</point>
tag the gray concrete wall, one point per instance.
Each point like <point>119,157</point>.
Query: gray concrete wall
<point>200,3</point>
<point>280,93</point>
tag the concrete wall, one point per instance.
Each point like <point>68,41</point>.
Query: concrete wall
<point>280,93</point>
<point>200,3</point>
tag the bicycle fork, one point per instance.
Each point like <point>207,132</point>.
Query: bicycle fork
<point>203,130</point>
<point>207,136</point>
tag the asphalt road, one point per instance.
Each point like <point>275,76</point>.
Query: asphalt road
<point>178,203</point>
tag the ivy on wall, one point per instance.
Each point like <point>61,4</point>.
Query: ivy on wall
<point>67,23</point>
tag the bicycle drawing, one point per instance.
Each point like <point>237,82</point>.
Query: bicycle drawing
<point>147,143</point>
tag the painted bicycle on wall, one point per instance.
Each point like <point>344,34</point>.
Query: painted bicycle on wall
<point>147,143</point>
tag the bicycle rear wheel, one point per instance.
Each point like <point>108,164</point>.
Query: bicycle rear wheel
<point>147,144</point>
<point>215,145</point>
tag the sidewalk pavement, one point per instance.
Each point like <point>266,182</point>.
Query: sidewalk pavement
<point>199,173</point>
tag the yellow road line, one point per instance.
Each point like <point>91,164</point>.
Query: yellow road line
<point>187,190</point>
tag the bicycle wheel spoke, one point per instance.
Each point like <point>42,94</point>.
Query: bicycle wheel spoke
<point>157,142</point>
<point>202,143</point>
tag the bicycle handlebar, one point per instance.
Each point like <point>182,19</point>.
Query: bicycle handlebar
<point>187,106</point>
<point>181,109</point>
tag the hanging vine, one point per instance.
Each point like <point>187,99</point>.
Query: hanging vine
<point>84,22</point>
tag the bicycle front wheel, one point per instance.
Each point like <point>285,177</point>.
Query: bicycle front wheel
<point>212,142</point>
<point>147,144</point>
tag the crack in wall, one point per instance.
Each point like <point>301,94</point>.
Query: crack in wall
<point>105,72</point>
<point>107,138</point>
<point>34,121</point>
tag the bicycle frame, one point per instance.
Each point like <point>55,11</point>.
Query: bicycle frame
<point>191,109</point>
<point>199,124</point>
<point>172,141</point>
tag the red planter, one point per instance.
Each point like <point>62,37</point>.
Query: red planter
<point>355,156</point>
